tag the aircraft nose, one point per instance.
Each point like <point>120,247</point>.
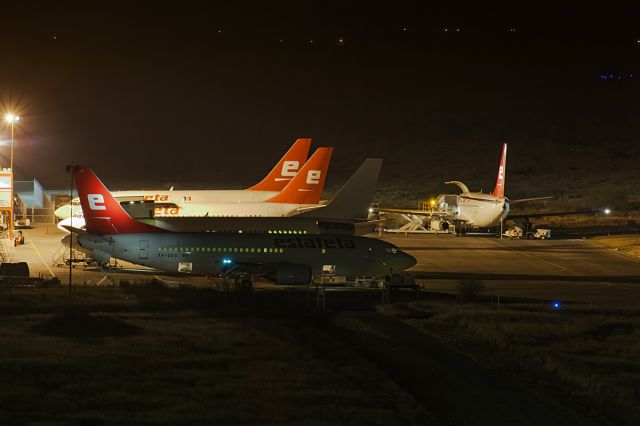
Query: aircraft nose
<point>63,212</point>
<point>407,261</point>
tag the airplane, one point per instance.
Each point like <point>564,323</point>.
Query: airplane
<point>170,201</point>
<point>283,259</point>
<point>466,210</point>
<point>345,214</point>
<point>302,193</point>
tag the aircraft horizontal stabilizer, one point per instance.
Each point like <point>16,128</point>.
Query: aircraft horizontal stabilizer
<point>459,184</point>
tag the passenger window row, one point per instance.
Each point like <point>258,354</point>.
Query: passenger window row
<point>221,249</point>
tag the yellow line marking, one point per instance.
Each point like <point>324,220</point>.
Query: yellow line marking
<point>33,244</point>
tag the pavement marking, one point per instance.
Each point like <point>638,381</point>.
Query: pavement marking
<point>33,244</point>
<point>538,258</point>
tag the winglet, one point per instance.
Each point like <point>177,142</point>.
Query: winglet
<point>498,191</point>
<point>306,187</point>
<point>353,200</point>
<point>286,169</point>
<point>102,213</point>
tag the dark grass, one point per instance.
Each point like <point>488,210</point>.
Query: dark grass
<point>153,356</point>
<point>587,357</point>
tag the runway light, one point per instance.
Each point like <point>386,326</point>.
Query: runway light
<point>607,211</point>
<point>555,305</point>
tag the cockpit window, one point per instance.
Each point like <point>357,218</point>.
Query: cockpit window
<point>392,250</point>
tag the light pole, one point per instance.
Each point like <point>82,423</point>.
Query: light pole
<point>70,170</point>
<point>11,119</point>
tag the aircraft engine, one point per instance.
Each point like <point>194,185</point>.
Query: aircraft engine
<point>291,275</point>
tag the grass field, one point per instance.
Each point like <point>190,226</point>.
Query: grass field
<point>591,354</point>
<point>154,356</point>
<point>629,244</point>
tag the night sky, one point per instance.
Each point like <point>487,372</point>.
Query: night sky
<point>211,96</point>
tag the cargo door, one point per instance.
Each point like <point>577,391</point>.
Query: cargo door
<point>144,249</point>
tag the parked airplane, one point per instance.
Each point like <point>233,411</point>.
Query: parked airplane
<point>468,209</point>
<point>284,259</point>
<point>345,214</point>
<point>170,201</point>
<point>301,194</point>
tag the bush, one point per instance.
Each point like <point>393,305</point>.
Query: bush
<point>469,290</point>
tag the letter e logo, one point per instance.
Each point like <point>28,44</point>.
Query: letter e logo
<point>313,177</point>
<point>290,168</point>
<point>96,202</point>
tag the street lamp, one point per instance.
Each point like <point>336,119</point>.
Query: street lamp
<point>11,119</point>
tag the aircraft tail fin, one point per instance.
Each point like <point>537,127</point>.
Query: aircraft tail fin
<point>353,200</point>
<point>306,187</point>
<point>287,167</point>
<point>102,213</point>
<point>498,191</point>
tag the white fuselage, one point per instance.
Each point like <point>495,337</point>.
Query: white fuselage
<point>479,210</point>
<point>265,209</point>
<point>179,197</point>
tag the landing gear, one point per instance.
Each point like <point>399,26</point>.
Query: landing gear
<point>243,284</point>
<point>461,229</point>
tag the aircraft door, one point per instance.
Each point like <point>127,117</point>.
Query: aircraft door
<point>144,249</point>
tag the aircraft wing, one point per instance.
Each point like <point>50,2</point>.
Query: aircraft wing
<point>523,200</point>
<point>535,215</point>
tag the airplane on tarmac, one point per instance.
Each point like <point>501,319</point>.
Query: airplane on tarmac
<point>284,259</point>
<point>466,210</point>
<point>169,201</point>
<point>302,193</point>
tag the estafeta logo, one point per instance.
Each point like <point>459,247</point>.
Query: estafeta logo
<point>313,177</point>
<point>96,202</point>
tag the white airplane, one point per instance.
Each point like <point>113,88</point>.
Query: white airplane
<point>169,202</point>
<point>468,209</point>
<point>301,194</point>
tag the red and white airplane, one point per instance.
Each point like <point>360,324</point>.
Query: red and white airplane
<point>468,209</point>
<point>170,201</point>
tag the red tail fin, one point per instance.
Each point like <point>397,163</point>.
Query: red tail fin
<point>286,168</point>
<point>498,191</point>
<point>102,213</point>
<point>308,184</point>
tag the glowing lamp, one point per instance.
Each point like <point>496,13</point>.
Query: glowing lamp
<point>11,118</point>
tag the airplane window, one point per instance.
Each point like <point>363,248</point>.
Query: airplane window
<point>324,250</point>
<point>253,250</point>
